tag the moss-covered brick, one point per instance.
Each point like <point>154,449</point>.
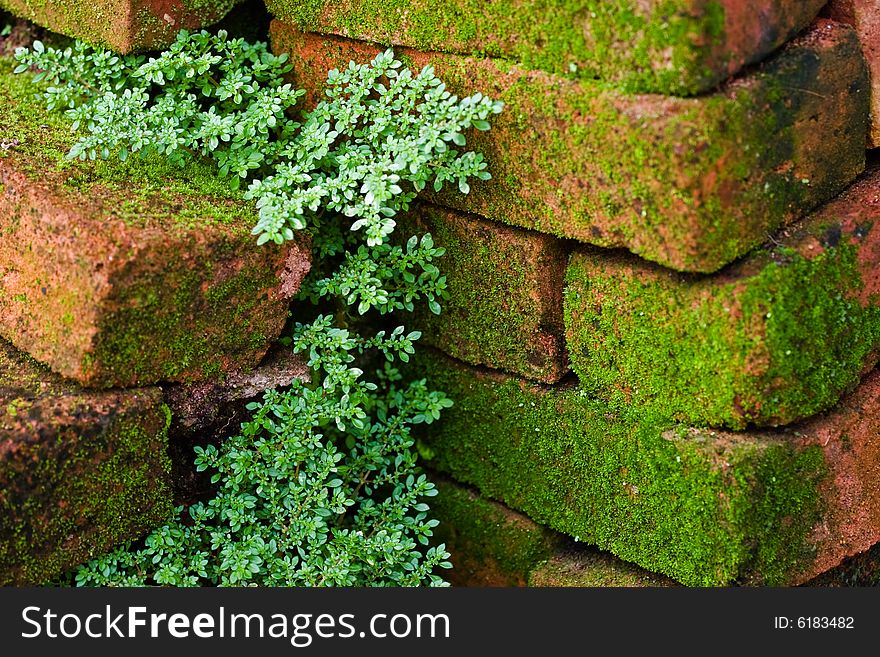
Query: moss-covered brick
<point>80,471</point>
<point>703,507</point>
<point>689,183</point>
<point>774,338</point>
<point>123,25</point>
<point>583,566</point>
<point>677,47</point>
<point>505,294</point>
<point>124,274</point>
<point>490,544</point>
<point>864,16</point>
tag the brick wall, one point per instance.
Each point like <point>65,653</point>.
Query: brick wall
<point>664,308</point>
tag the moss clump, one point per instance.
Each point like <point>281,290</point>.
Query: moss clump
<point>703,508</point>
<point>583,566</point>
<point>777,339</point>
<point>490,545</point>
<point>674,47</point>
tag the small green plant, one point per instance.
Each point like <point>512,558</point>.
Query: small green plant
<point>321,486</point>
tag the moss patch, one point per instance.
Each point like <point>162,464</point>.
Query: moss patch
<point>774,348</point>
<point>674,47</point>
<point>505,294</point>
<point>588,567</point>
<point>703,508</point>
<point>490,545</point>
<point>689,183</point>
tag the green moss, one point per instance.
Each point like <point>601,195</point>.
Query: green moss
<point>691,184</point>
<point>118,24</point>
<point>169,327</point>
<point>101,480</point>
<point>768,346</point>
<point>672,47</point>
<point>504,308</point>
<point>583,566</point>
<point>703,508</point>
<point>141,191</point>
<point>490,545</point>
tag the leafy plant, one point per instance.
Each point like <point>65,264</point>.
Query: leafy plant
<point>321,486</point>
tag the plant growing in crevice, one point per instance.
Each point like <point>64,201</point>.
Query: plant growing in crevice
<point>321,485</point>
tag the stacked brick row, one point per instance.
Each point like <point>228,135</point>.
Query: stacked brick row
<point>664,315</point>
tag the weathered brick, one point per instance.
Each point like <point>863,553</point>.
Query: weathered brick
<point>80,471</point>
<point>689,183</point>
<point>123,25</point>
<point>492,545</point>
<point>774,338</point>
<point>125,274</point>
<point>864,16</point>
<point>703,507</point>
<point>505,285</point>
<point>583,566</point>
<point>678,47</point>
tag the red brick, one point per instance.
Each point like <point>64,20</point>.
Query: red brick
<point>864,16</point>
<point>689,183</point>
<point>126,274</point>
<point>504,309</point>
<point>676,47</point>
<point>704,507</point>
<point>123,25</point>
<point>80,471</point>
<point>492,545</point>
<point>774,338</point>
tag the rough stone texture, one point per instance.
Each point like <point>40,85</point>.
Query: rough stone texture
<point>505,285</point>
<point>774,338</point>
<point>677,47</point>
<point>703,507</point>
<point>490,544</point>
<point>123,25</point>
<point>207,412</point>
<point>80,471</point>
<point>864,16</point>
<point>689,183</point>
<point>125,274</point>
